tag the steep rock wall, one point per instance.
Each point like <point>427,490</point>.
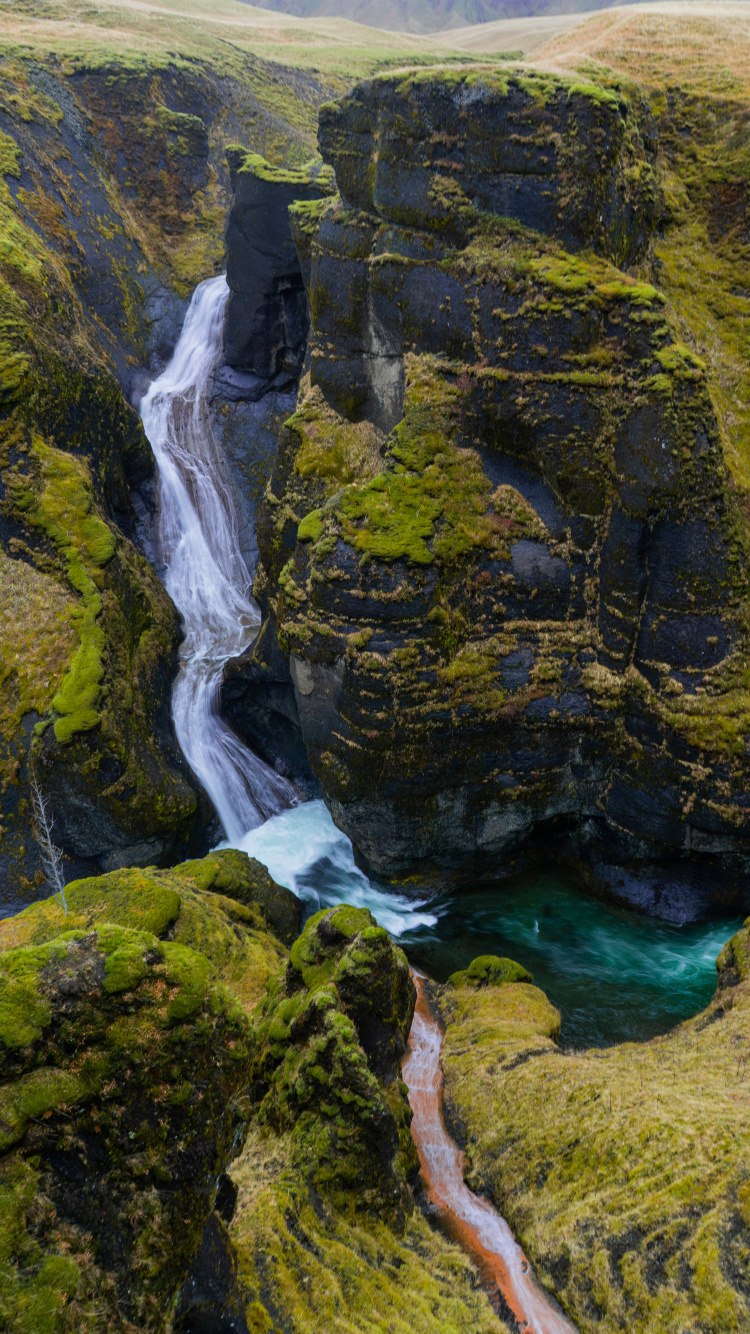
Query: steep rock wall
<point>500,546</point>
<point>113,192</point>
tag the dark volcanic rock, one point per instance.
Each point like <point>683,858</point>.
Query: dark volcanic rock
<point>501,556</point>
<point>266,324</point>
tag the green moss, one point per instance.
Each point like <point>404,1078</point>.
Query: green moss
<point>307,214</point>
<point>595,93</point>
<point>490,971</point>
<point>63,510</point>
<point>618,1168</point>
<point>320,1071</point>
<point>314,1266</point>
<point>226,907</point>
<point>312,527</point>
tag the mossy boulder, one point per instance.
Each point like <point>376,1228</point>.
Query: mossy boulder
<point>121,1062</point>
<point>490,971</point>
<point>226,906</point>
<point>330,1037</point>
<point>623,1171</point>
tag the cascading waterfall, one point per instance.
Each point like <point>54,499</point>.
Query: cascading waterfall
<point>205,573</point>
<point>210,584</point>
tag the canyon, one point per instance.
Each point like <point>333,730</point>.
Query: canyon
<point>373,551</point>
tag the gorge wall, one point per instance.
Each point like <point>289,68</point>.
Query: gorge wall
<point>503,561</point>
<point>114,188</point>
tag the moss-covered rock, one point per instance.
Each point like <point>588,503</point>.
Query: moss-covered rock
<point>120,1065</point>
<point>225,906</point>
<point>304,1265</point>
<point>331,1035</point>
<point>501,548</point>
<point>428,149</point>
<point>490,971</point>
<point>623,1171</point>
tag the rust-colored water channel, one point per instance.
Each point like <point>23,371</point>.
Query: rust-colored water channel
<point>471,1221</point>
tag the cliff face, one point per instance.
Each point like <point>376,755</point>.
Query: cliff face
<point>113,192</point>
<point>500,546</point>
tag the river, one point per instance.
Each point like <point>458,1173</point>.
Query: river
<point>261,813</point>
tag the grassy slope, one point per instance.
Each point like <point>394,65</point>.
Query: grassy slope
<point>221,33</point>
<point>625,1171</point>
<point>694,62</point>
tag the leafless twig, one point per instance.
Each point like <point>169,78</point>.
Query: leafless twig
<point>51,854</point>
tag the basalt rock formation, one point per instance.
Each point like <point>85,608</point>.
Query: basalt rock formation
<point>265,332</point>
<point>113,190</point>
<point>503,561</point>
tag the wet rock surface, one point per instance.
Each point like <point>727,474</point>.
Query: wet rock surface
<point>265,334</point>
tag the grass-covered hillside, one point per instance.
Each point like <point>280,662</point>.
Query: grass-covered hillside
<point>693,62</point>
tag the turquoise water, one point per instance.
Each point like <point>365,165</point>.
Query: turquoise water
<point>614,974</point>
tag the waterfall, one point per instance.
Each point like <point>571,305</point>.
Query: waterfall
<point>204,571</point>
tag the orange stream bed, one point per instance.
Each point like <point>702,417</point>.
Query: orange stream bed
<point>471,1221</point>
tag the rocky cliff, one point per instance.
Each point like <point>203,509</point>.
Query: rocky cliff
<point>201,1129</point>
<point>503,560</point>
<point>113,193</point>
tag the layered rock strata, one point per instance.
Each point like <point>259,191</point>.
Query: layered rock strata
<point>265,332</point>
<point>502,557</point>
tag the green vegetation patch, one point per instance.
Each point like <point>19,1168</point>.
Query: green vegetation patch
<point>313,1265</point>
<point>329,1042</point>
<point>435,501</point>
<point>490,971</point>
<point>621,1170</point>
<point>63,509</point>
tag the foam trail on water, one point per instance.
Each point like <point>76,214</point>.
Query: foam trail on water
<point>205,572</point>
<point>304,851</point>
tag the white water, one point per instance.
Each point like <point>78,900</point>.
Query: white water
<point>205,572</point>
<point>304,851</point>
<point>210,585</point>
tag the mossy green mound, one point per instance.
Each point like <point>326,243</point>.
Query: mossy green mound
<point>120,1064</point>
<point>305,1266</point>
<point>490,971</point>
<point>226,906</point>
<point>330,1037</point>
<point>623,1171</point>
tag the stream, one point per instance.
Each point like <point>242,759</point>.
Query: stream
<point>614,975</point>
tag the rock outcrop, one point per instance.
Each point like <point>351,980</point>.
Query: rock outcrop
<point>162,1030</point>
<point>265,332</point>
<point>124,1058</point>
<point>502,555</point>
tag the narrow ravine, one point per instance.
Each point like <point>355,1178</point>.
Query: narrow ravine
<point>471,1221</point>
<point>204,571</point>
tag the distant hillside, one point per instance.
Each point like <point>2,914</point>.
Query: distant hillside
<point>422,16</point>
